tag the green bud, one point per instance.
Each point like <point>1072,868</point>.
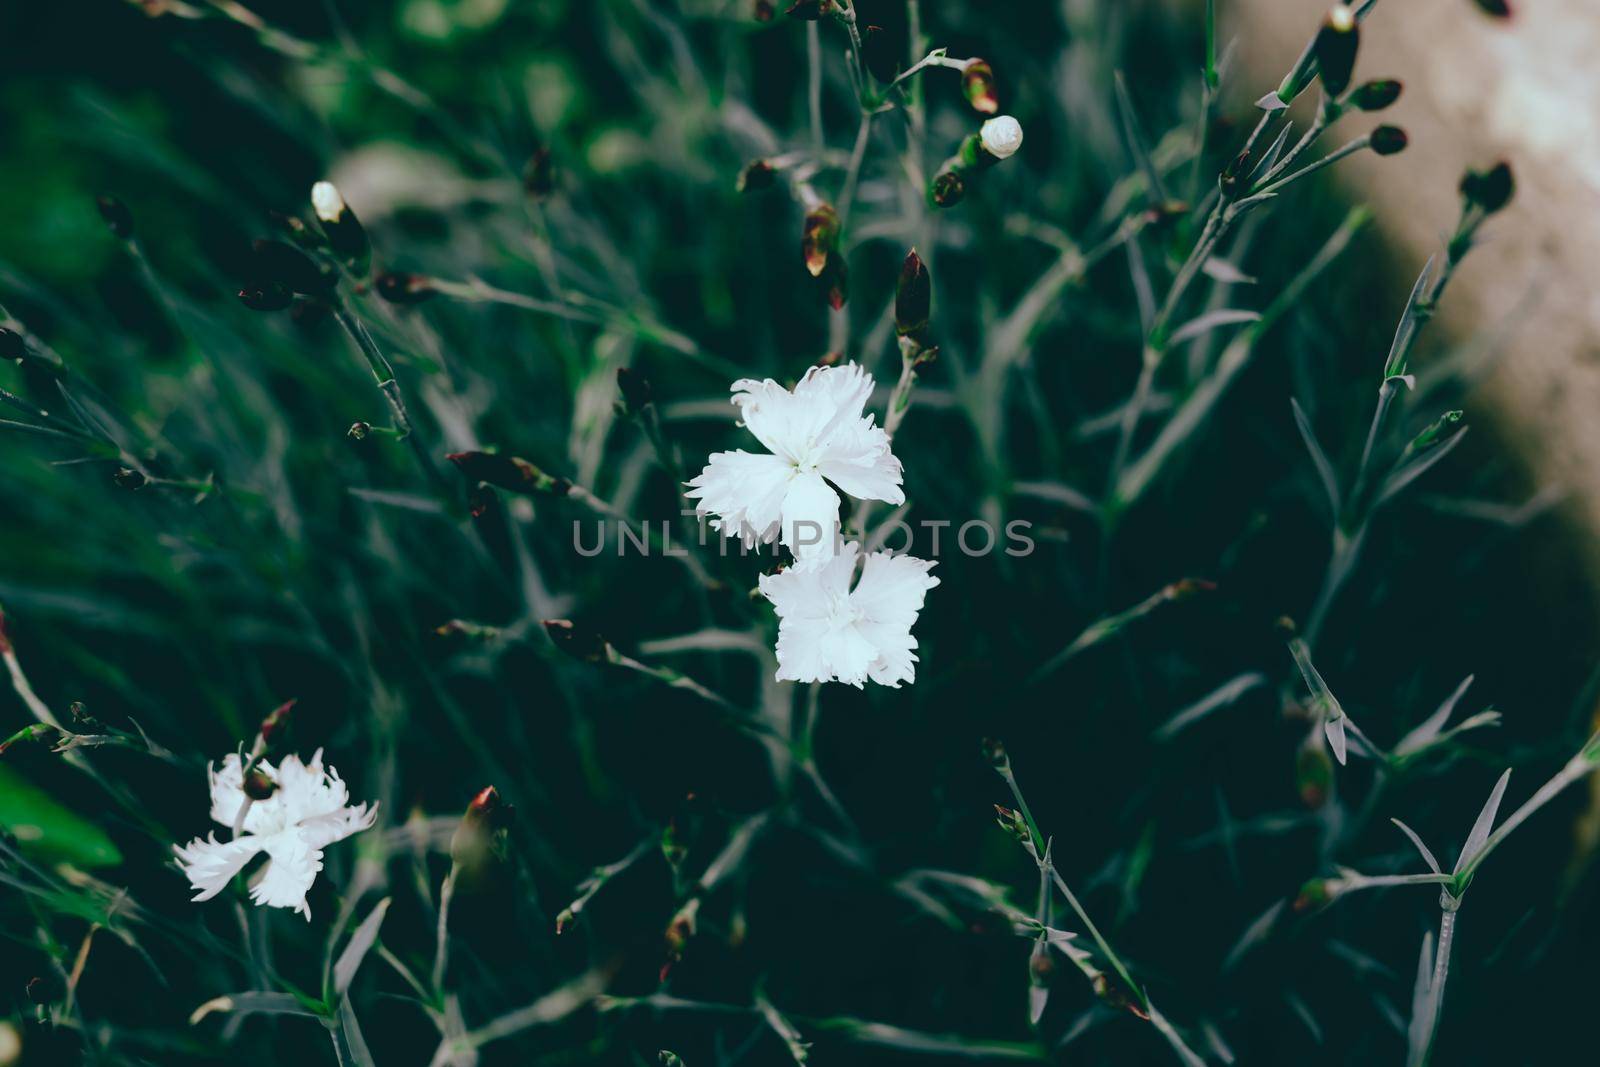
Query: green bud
<point>1389,140</point>
<point>913,296</point>
<point>1375,95</point>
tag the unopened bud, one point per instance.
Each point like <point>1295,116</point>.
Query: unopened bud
<point>1012,822</point>
<point>539,176</point>
<point>977,85</point>
<point>635,390</point>
<point>297,231</point>
<point>1313,774</point>
<point>913,296</point>
<point>358,431</point>
<point>757,174</point>
<point>257,786</point>
<point>119,220</point>
<point>995,753</point>
<point>346,236</point>
<point>1228,182</point>
<point>764,10</point>
<point>682,928</point>
<point>1001,136</point>
<point>1436,431</point>
<point>836,282</point>
<point>276,725</point>
<point>1389,140</point>
<point>286,266</point>
<point>507,472</point>
<point>268,297</point>
<point>1184,588</point>
<point>1375,95</point>
<point>479,837</point>
<point>819,238</point>
<point>39,733</point>
<point>879,54</point>
<point>400,288</point>
<point>810,10</point>
<point>1499,9</point>
<point>1490,189</point>
<point>947,189</point>
<point>1335,49</point>
<point>1314,895</point>
<point>576,641</point>
<point>129,478</point>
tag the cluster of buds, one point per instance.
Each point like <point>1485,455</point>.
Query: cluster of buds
<point>997,139</point>
<point>508,472</point>
<point>282,270</point>
<point>824,258</point>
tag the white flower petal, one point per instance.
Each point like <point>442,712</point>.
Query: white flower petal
<point>287,878</point>
<point>810,520</point>
<point>307,790</point>
<point>857,459</point>
<point>892,588</point>
<point>744,491</point>
<point>320,831</point>
<point>1001,136</point>
<point>800,650</point>
<point>210,864</point>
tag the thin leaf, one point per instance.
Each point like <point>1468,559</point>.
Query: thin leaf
<point>1421,999</point>
<point>1221,270</point>
<point>1415,469</point>
<point>1253,935</point>
<point>1211,320</point>
<point>344,970</point>
<point>252,1003</point>
<point>1271,156</point>
<point>1319,459</point>
<point>1485,823</point>
<point>349,1044</point>
<point>1271,102</point>
<point>1409,321</point>
<point>1222,696</point>
<point>1427,856</point>
<point>1430,727</point>
<point>1134,135</point>
<point>1333,711</point>
<point>1144,293</point>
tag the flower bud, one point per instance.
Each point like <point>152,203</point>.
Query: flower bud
<point>1436,431</point>
<point>1375,95</point>
<point>764,10</point>
<point>757,174</point>
<point>346,236</point>
<point>479,836</point>
<point>1001,136</point>
<point>507,472</point>
<point>913,296</point>
<point>1491,189</point>
<point>682,928</point>
<point>298,232</point>
<point>1313,774</point>
<point>819,238</point>
<point>1335,49</point>
<point>878,54</point>
<point>257,786</point>
<point>576,641</point>
<point>268,297</point>
<point>1499,9</point>
<point>977,85</point>
<point>1314,895</point>
<point>358,431</point>
<point>38,733</point>
<point>129,478</point>
<point>635,390</point>
<point>836,282</point>
<point>285,265</point>
<point>947,189</point>
<point>1228,182</point>
<point>400,288</point>
<point>995,753</point>
<point>1389,140</point>
<point>1012,822</point>
<point>539,176</point>
<point>118,219</point>
<point>810,10</point>
<point>275,727</point>
<point>12,346</point>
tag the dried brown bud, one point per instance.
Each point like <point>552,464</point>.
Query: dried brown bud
<point>398,287</point>
<point>819,238</point>
<point>977,85</point>
<point>118,219</point>
<point>947,188</point>
<point>579,642</point>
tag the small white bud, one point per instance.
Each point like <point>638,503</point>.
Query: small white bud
<point>327,202</point>
<point>1001,136</point>
<point>1342,18</point>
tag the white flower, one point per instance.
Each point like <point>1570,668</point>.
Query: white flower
<point>307,812</point>
<point>830,632</point>
<point>815,435</point>
<point>326,201</point>
<point>1001,136</point>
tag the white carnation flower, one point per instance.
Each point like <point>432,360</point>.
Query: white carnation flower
<point>815,435</point>
<point>307,811</point>
<point>830,632</point>
<point>1001,136</point>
